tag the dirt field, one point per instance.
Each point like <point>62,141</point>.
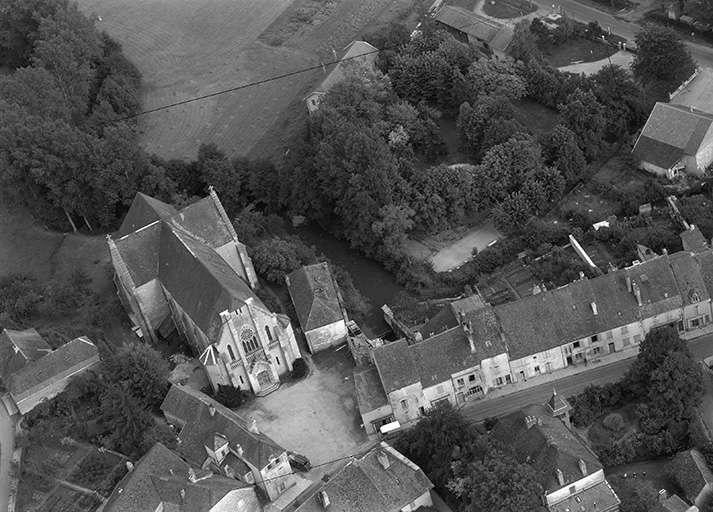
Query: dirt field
<point>188,48</point>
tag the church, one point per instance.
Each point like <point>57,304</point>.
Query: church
<point>186,270</point>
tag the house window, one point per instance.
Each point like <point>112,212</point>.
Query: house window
<point>269,334</point>
<point>575,344</point>
<point>460,383</point>
<point>404,404</point>
<point>508,379</point>
<point>499,381</point>
<point>610,334</point>
<point>626,341</point>
<point>595,338</point>
<point>231,353</point>
<point>680,325</point>
<point>596,350</point>
<point>241,379</point>
<point>277,360</point>
<point>537,370</point>
<point>578,355</point>
<point>637,338</point>
<point>572,489</point>
<point>471,378</point>
<point>625,329</point>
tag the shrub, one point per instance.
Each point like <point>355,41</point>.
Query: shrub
<point>613,422</point>
<point>229,396</point>
<point>299,368</point>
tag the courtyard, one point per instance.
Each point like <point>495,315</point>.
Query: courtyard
<point>316,416</point>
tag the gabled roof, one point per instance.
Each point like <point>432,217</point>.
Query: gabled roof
<point>74,356</point>
<point>546,445</point>
<point>194,408</point>
<point>357,52</point>
<point>144,210</point>
<point>17,348</point>
<point>369,390</point>
<point>687,271</point>
<point>497,35</point>
<point>600,496</point>
<point>671,132</point>
<point>315,296</point>
<point>161,478</point>
<point>557,403</point>
<point>364,484</point>
<point>693,240</point>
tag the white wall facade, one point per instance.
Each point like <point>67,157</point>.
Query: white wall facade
<point>326,336</point>
<point>424,500</point>
<point>407,403</point>
<point>543,362</point>
<point>584,483</point>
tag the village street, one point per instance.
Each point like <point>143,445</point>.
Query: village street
<point>701,348</point>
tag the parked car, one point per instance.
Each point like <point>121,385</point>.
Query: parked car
<point>299,462</point>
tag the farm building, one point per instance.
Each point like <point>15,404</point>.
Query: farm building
<point>676,139</point>
<point>318,304</point>
<point>32,372</point>
<point>359,58</point>
<point>470,27</point>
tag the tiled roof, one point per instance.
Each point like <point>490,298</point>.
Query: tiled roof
<point>598,497</point>
<point>161,478</point>
<point>468,22</point>
<point>144,210</point>
<point>179,249</point>
<point>687,271</point>
<point>546,446</point>
<point>357,51</point>
<point>17,348</point>
<point>557,403</point>
<point>671,132</point>
<point>258,449</point>
<point>74,356</point>
<point>363,484</point>
<point>693,240</point>
<point>315,296</point>
<point>369,391</point>
<point>705,261</point>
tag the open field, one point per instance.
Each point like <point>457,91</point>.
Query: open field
<point>506,9</point>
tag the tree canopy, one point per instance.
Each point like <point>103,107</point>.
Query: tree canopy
<point>661,58</point>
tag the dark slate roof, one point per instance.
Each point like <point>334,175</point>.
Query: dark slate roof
<point>202,219</point>
<point>468,22</point>
<point>369,391</point>
<point>546,446</point>
<point>363,484</point>
<point>557,403</point>
<point>80,353</point>
<point>671,132</point>
<point>442,321</point>
<point>396,365</point>
<point>315,296</point>
<point>140,252</point>
<point>144,210</point>
<point>359,51</point>
<point>200,280</point>
<point>258,449</point>
<point>17,348</point>
<point>705,260</point>
<point>693,240</point>
<point>694,471</point>
<point>160,476</point>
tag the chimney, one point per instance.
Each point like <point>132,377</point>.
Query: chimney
<point>582,467</point>
<point>628,284</point>
<point>129,466</point>
<point>383,459</point>
<point>417,336</point>
<point>471,340</point>
<point>560,476</point>
<point>594,308</point>
<point>461,317</point>
<point>581,275</point>
<point>192,475</point>
<point>637,293</point>
<point>211,410</point>
<point>252,426</point>
<point>239,449</point>
<point>183,495</point>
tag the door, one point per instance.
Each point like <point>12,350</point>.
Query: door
<point>569,360</point>
<point>264,378</point>
<point>612,348</point>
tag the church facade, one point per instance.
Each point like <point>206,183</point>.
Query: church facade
<point>186,270</point>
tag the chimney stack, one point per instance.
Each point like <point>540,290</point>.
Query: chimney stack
<point>637,293</point>
<point>560,476</point>
<point>211,410</point>
<point>628,284</point>
<point>192,475</point>
<point>252,426</point>
<point>471,340</point>
<point>582,467</point>
<point>594,308</point>
<point>383,459</point>
<point>183,495</point>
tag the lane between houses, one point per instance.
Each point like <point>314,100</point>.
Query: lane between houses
<point>701,348</point>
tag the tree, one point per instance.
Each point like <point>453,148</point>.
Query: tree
<point>512,213</point>
<point>636,495</point>
<point>488,77</point>
<point>392,227</point>
<point>126,420</point>
<point>481,121</point>
<point>584,115</point>
<point>676,387</point>
<point>276,257</point>
<point>140,371</point>
<point>656,346</point>
<point>35,90</point>
<point>560,149</point>
<point>229,396</point>
<point>622,99</point>
<point>524,45</point>
<point>661,57</point>
<point>389,40</point>
<point>497,483</point>
<point>215,169</point>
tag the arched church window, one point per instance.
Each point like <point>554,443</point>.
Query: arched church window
<point>269,333</point>
<point>232,354</point>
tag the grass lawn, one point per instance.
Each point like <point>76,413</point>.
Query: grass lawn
<point>506,9</point>
<point>577,50</point>
<point>468,5</point>
<point>536,117</point>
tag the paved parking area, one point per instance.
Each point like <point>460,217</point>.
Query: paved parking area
<point>316,416</point>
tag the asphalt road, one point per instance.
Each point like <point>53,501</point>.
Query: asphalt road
<point>701,347</point>
<point>701,53</point>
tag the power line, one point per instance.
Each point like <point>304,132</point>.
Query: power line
<point>260,82</point>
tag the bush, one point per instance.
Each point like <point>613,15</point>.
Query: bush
<point>614,422</point>
<point>229,396</point>
<point>299,368</point>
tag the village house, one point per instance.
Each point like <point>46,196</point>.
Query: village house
<point>675,139</point>
<point>472,348</point>
<point>380,480</point>
<point>32,372</point>
<point>162,481</point>
<point>570,473</point>
<point>319,307</point>
<point>359,58</point>
<point>469,27</point>
<point>187,270</point>
<point>694,477</point>
<point>213,437</point>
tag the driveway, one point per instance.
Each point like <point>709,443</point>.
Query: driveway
<point>316,416</point>
<point>7,445</point>
<point>461,251</point>
<point>620,58</point>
